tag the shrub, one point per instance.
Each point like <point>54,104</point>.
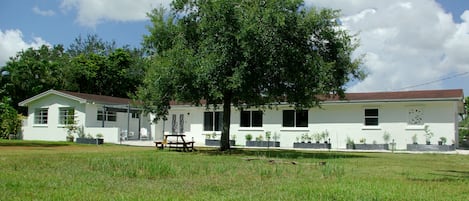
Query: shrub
<point>10,120</point>
<point>248,137</point>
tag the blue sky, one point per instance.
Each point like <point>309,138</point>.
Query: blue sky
<point>407,44</point>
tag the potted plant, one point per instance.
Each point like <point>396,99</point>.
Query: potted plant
<point>430,147</point>
<point>70,137</point>
<point>306,142</point>
<point>428,134</point>
<point>414,139</point>
<point>88,139</point>
<point>233,140</point>
<point>442,141</point>
<point>303,137</point>
<point>260,138</point>
<point>100,138</point>
<point>363,140</point>
<point>248,137</point>
<point>317,137</point>
<point>210,139</point>
<point>324,136</point>
<point>386,137</point>
<point>260,142</point>
<point>350,143</point>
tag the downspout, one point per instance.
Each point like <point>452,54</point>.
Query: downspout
<point>128,119</point>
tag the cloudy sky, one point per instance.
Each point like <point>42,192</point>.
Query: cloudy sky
<point>408,44</point>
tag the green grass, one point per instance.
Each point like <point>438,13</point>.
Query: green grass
<point>112,172</point>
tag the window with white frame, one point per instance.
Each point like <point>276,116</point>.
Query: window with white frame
<point>251,119</point>
<point>66,115</point>
<point>213,121</point>
<point>415,116</point>
<point>40,116</point>
<point>108,115</point>
<point>371,117</point>
<point>295,118</point>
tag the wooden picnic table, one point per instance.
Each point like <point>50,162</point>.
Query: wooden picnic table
<point>175,141</point>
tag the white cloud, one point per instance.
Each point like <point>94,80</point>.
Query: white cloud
<point>38,11</point>
<point>11,42</point>
<point>92,12</point>
<point>405,42</point>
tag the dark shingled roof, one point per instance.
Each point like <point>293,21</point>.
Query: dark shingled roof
<point>453,94</point>
<point>403,95</point>
<point>99,98</point>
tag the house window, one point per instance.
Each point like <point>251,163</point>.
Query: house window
<point>295,118</point>
<point>213,121</point>
<point>40,116</point>
<point>66,115</point>
<point>415,116</point>
<point>251,119</point>
<point>108,116</point>
<point>135,115</point>
<point>371,117</point>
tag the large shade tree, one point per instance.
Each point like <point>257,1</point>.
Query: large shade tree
<point>236,53</point>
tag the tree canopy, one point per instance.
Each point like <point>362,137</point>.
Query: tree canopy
<point>90,65</point>
<point>245,54</point>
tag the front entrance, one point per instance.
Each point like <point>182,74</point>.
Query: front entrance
<point>177,124</point>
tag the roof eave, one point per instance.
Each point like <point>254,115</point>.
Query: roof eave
<point>392,100</point>
<point>26,102</point>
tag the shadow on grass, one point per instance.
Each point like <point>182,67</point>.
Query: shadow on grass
<point>443,176</point>
<point>457,174</point>
<point>278,153</point>
<point>28,143</point>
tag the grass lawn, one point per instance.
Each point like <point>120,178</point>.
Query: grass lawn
<point>64,171</point>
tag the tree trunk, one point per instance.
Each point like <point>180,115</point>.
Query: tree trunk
<point>225,135</point>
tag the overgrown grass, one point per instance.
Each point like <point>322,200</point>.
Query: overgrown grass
<point>134,173</point>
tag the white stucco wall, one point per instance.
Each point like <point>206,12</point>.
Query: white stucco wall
<point>86,116</point>
<point>52,131</point>
<point>341,120</point>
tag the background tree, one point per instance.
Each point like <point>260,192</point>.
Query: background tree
<point>245,54</point>
<point>98,67</point>
<point>90,65</point>
<point>33,71</point>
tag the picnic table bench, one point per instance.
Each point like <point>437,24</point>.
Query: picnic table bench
<point>176,142</point>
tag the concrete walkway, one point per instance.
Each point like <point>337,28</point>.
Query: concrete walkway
<point>149,143</point>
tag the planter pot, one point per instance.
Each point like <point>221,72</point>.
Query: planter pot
<point>262,144</point>
<point>216,143</point>
<point>311,145</point>
<point>70,139</point>
<point>372,146</point>
<point>432,147</point>
<point>89,141</point>
<point>12,136</point>
<point>350,146</point>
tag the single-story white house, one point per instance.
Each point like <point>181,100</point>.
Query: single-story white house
<point>359,116</point>
<point>115,118</point>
